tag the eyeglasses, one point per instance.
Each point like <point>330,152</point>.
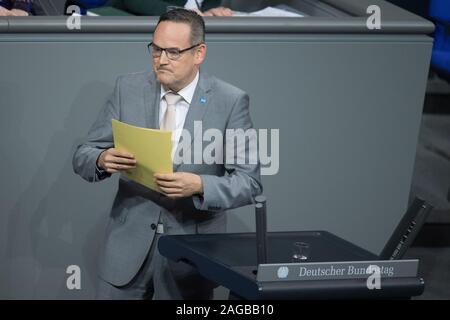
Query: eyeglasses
<point>171,53</point>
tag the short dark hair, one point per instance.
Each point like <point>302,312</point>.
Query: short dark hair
<point>190,17</point>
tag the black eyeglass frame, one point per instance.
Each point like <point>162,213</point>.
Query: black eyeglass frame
<point>168,54</point>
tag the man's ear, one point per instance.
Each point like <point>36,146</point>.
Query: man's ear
<point>200,53</point>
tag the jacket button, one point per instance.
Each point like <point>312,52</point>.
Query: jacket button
<point>153,226</point>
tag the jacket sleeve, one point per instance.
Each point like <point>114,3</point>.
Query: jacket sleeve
<point>241,181</point>
<point>99,138</point>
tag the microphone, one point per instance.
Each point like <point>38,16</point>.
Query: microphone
<point>261,229</point>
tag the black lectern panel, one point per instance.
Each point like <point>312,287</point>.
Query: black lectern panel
<point>230,260</point>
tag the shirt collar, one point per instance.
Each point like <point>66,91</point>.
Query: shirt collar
<point>187,93</point>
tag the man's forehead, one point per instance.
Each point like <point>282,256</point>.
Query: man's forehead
<point>172,34</point>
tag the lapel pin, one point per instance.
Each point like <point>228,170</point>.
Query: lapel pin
<point>202,100</point>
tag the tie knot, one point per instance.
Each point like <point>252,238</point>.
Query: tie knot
<point>172,98</point>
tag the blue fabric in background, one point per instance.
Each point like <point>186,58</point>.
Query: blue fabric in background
<point>440,13</point>
<point>440,10</point>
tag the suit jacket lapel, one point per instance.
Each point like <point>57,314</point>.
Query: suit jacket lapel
<point>152,93</point>
<point>197,109</point>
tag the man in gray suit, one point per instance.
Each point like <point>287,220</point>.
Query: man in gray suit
<point>196,196</point>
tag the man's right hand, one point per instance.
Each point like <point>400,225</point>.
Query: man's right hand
<point>112,161</point>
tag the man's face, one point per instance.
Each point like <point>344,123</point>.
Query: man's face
<point>176,74</point>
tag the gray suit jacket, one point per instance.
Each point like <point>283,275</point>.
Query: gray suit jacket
<point>129,234</point>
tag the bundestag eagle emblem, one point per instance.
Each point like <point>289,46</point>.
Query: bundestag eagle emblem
<point>283,272</point>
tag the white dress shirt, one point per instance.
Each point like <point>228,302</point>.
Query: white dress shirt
<point>181,109</point>
<point>190,4</point>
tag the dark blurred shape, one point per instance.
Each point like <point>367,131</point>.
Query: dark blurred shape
<point>419,7</point>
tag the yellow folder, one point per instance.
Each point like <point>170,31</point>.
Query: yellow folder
<point>151,148</point>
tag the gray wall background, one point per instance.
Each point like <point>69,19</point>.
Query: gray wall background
<point>348,108</point>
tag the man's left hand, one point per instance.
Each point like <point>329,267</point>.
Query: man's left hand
<point>179,184</point>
